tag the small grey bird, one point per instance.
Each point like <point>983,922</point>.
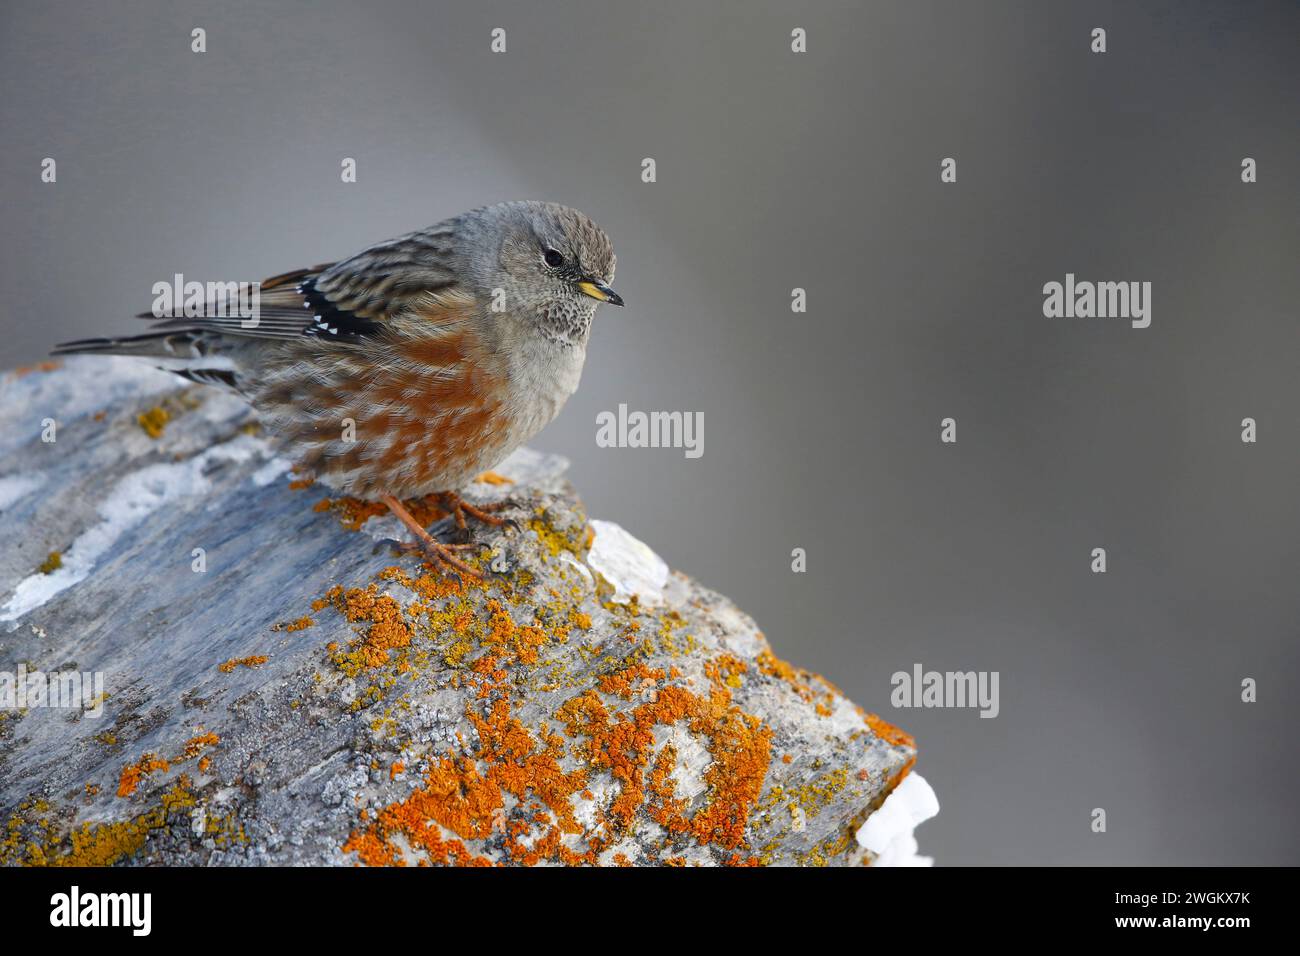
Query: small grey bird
<point>415,365</point>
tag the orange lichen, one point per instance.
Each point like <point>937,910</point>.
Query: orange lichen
<point>194,746</point>
<point>888,732</point>
<point>354,512</point>
<point>466,796</point>
<point>663,806</point>
<point>625,682</point>
<point>254,660</point>
<point>898,775</point>
<point>502,630</point>
<point>133,773</point>
<point>624,742</point>
<point>430,587</point>
<point>454,796</point>
<point>23,371</point>
<point>519,763</point>
<point>388,628</point>
<point>811,688</point>
<point>773,666</point>
<point>528,793</point>
<point>492,478</point>
<point>52,563</point>
<point>290,626</point>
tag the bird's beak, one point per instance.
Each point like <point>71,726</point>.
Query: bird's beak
<point>599,291</point>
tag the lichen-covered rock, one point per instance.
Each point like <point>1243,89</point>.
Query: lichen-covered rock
<point>278,686</point>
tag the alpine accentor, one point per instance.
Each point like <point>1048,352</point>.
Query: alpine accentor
<point>415,365</point>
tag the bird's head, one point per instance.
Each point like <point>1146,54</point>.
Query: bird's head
<point>541,263</point>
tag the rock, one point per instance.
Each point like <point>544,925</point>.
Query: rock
<point>277,686</point>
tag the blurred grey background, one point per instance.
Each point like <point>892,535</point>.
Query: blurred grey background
<point>818,170</point>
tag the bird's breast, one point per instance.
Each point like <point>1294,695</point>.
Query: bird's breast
<point>543,374</point>
<point>428,417</point>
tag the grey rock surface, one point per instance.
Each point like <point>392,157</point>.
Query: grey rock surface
<point>280,687</point>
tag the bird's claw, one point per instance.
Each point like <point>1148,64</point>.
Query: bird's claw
<point>440,554</point>
<point>459,508</point>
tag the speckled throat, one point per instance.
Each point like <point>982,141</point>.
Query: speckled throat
<point>568,321</point>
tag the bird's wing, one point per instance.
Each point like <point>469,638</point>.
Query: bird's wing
<point>340,302</point>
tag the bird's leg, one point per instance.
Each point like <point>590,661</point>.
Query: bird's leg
<point>458,507</point>
<point>439,552</point>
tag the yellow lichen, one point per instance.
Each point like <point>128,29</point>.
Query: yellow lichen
<point>154,421</point>
<point>105,844</point>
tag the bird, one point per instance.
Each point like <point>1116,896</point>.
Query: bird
<point>411,367</point>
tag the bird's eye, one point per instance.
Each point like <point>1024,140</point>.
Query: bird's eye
<point>554,259</point>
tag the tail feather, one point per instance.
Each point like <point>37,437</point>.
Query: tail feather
<point>172,345</point>
<point>193,354</point>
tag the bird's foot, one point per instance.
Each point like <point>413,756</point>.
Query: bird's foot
<point>442,555</point>
<point>459,508</point>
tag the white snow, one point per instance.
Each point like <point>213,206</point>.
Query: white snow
<point>272,470</point>
<point>889,832</point>
<point>628,564</point>
<point>128,503</point>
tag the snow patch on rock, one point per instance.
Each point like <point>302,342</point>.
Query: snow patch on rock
<point>126,505</point>
<point>627,564</point>
<point>271,471</point>
<point>889,833</point>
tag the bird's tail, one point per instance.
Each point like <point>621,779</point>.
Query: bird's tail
<point>191,353</point>
<point>172,345</point>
